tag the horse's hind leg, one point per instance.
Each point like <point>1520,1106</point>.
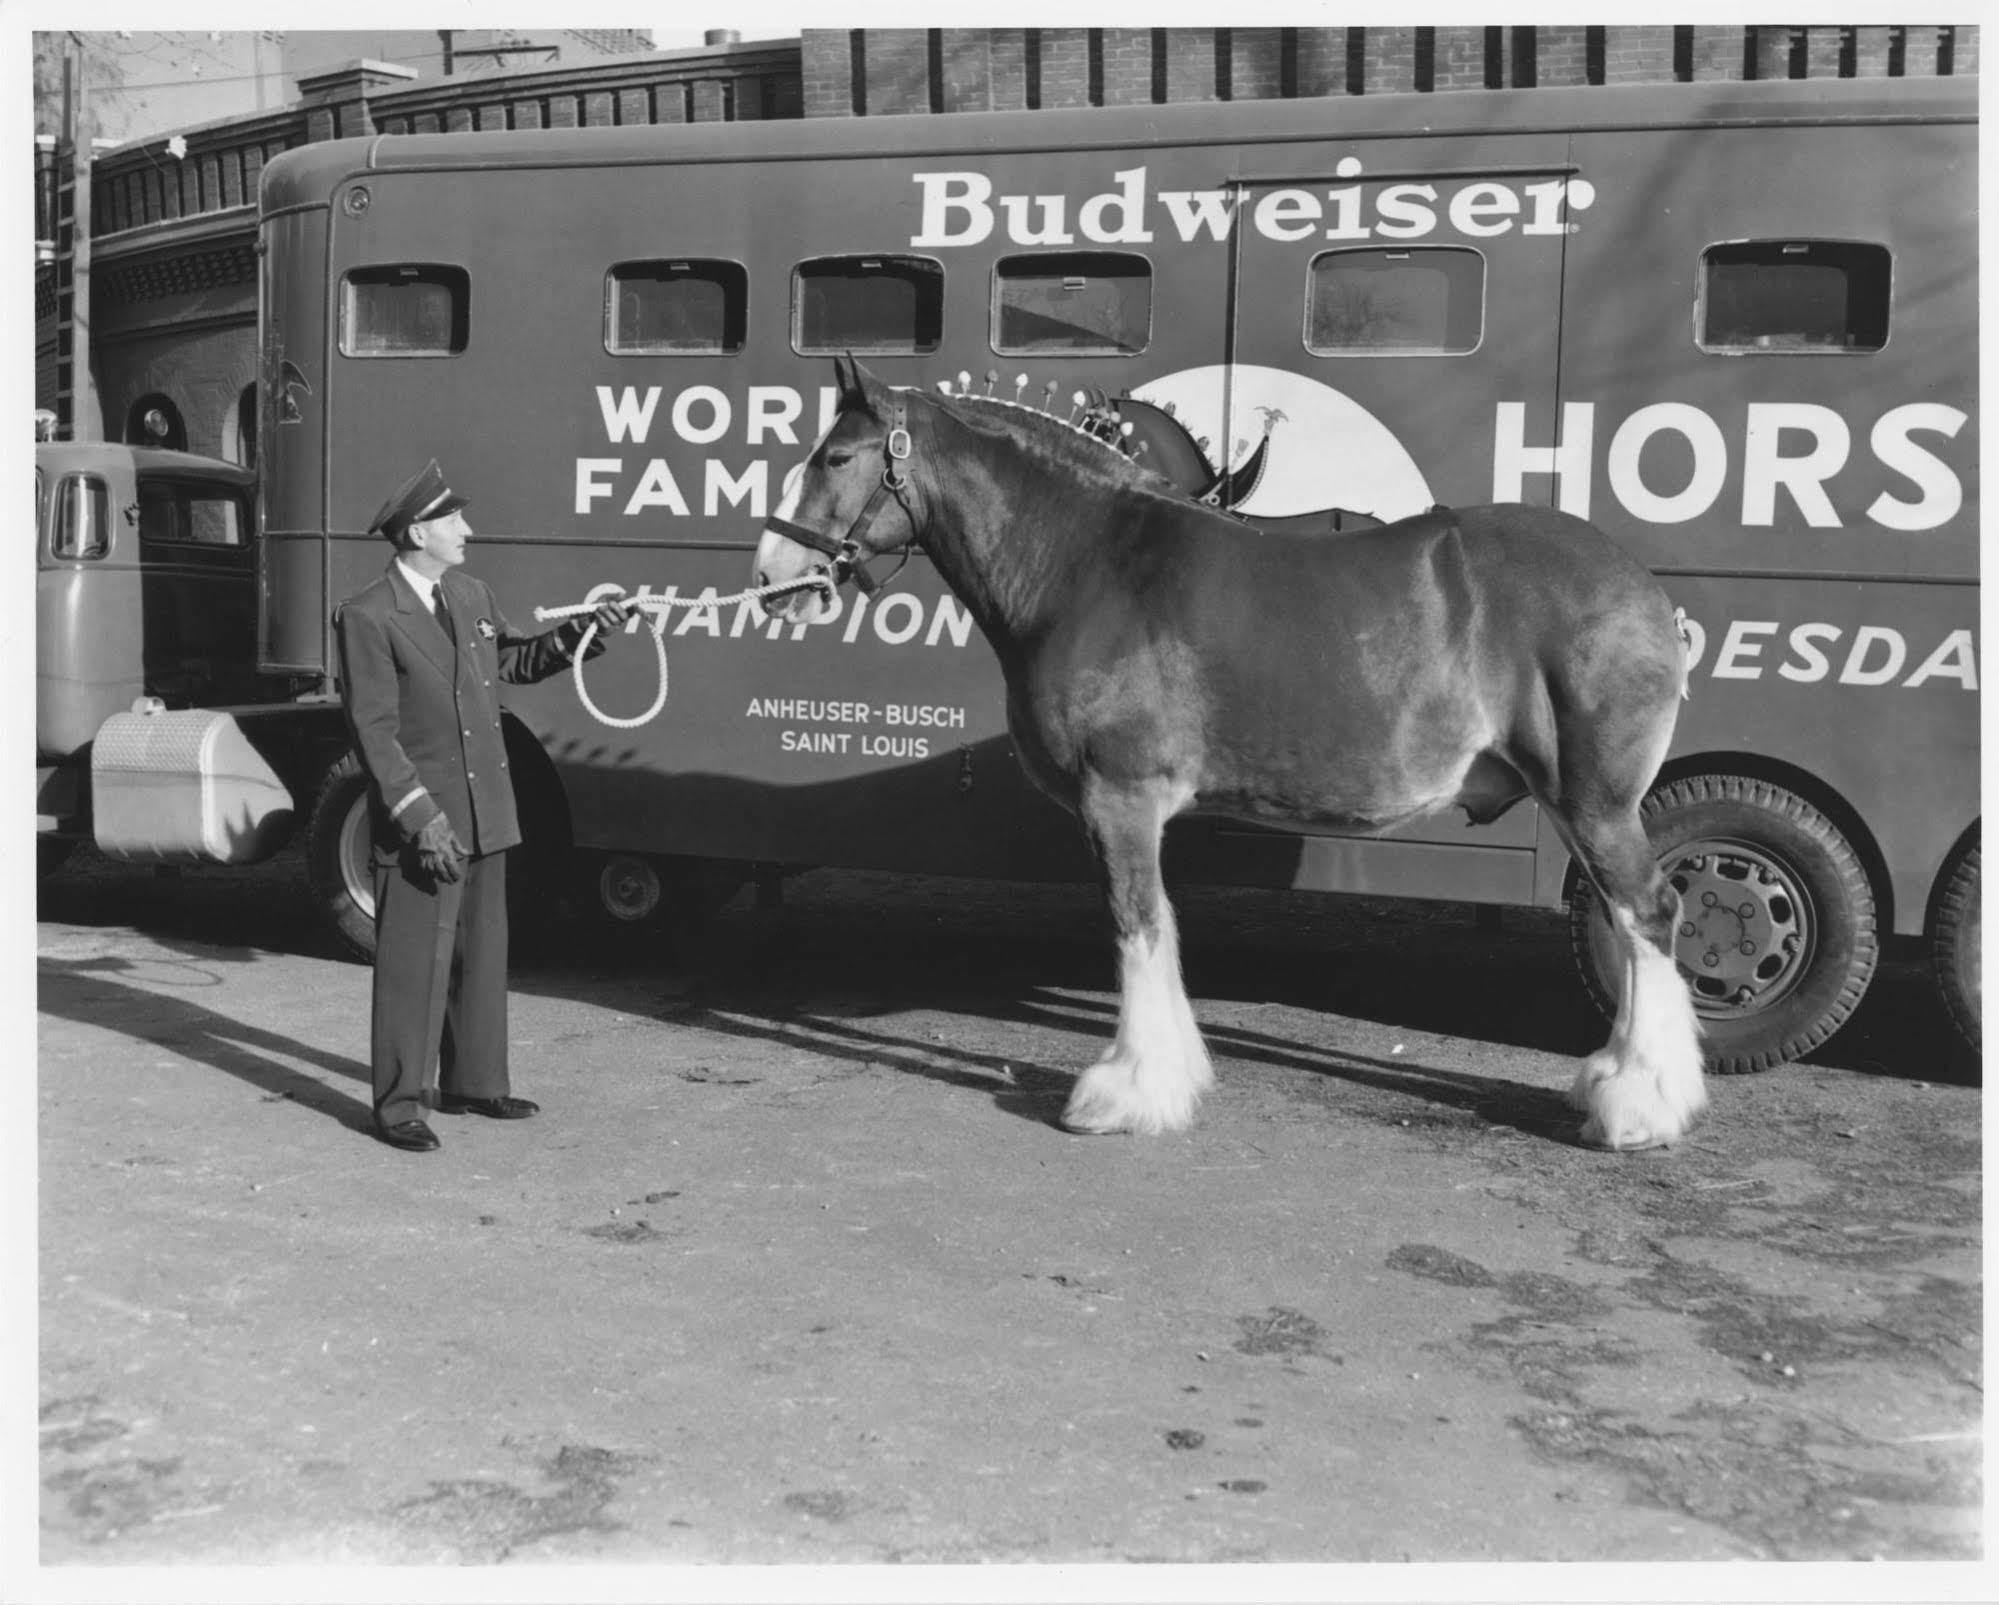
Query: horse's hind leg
<point>1645,1086</point>
<point>1157,1068</point>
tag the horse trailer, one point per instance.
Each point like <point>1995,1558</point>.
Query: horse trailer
<point>1734,325</point>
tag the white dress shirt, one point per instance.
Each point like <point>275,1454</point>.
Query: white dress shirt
<point>424,586</point>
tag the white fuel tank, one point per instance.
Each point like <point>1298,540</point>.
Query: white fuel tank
<point>173,787</point>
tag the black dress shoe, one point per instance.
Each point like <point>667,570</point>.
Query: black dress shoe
<point>501,1108</point>
<point>411,1134</point>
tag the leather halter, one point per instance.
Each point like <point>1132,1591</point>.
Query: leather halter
<point>850,557</point>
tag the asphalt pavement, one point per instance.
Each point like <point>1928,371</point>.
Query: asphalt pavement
<point>796,1265</point>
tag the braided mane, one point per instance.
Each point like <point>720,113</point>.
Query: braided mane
<point>1055,441</point>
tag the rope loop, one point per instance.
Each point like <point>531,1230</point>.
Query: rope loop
<point>820,579</point>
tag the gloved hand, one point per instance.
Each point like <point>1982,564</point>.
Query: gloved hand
<point>611,614</point>
<point>440,851</point>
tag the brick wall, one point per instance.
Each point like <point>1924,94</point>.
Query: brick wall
<point>1256,63</point>
<point>1065,67</point>
<point>203,370</point>
<point>1459,59</point>
<point>1190,65</point>
<point>1125,66</point>
<point>826,68</point>
<point>1012,69</point>
<point>1389,55</point>
<point>1322,61</point>
<point>1638,55</point>
<point>897,64</point>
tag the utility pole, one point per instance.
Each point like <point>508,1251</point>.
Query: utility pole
<point>77,415</point>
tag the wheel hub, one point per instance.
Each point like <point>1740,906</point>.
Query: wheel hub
<point>629,888</point>
<point>1744,928</point>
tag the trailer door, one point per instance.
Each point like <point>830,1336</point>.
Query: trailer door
<point>1411,290</point>
<point>1395,326</point>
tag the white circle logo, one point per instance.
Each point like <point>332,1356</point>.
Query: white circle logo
<point>1326,449</point>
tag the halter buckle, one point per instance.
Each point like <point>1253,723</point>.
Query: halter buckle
<point>849,564</point>
<point>898,443</point>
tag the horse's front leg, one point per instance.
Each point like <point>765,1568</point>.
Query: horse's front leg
<point>1157,1069</point>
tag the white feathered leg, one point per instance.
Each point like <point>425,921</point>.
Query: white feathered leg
<point>1158,1067</point>
<point>1644,1088</point>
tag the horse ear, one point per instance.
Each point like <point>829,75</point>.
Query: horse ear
<point>847,376</point>
<point>859,389</point>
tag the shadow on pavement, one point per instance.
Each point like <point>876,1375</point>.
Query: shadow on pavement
<point>847,944</point>
<point>88,992</point>
<point>1034,1092</point>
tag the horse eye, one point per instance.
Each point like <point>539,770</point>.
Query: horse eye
<point>838,459</point>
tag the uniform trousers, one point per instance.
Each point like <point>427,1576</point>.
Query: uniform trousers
<point>440,993</point>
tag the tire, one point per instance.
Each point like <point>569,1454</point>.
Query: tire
<point>658,905</point>
<point>1954,948</point>
<point>338,847</point>
<point>51,853</point>
<point>1776,937</point>
<point>627,891</point>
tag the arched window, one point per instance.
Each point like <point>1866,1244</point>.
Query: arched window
<point>155,421</point>
<point>239,429</point>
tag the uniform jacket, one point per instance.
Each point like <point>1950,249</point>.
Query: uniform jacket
<point>424,710</point>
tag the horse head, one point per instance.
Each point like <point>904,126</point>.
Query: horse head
<point>850,502</point>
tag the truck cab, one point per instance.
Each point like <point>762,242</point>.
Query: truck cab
<point>145,588</point>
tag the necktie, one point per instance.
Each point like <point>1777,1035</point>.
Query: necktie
<point>437,607</point>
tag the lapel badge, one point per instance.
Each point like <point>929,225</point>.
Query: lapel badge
<point>486,630</point>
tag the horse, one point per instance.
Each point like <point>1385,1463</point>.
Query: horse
<point>1161,656</point>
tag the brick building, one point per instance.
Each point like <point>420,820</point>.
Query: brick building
<point>138,84</point>
<point>166,261</point>
<point>156,238</point>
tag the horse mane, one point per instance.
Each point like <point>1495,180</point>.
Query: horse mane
<point>1053,441</point>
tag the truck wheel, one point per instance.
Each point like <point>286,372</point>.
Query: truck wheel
<point>1776,932</point>
<point>629,888</point>
<point>51,853</point>
<point>669,898</point>
<point>1954,948</point>
<point>338,844</point>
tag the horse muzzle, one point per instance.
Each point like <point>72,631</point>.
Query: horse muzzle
<point>781,560</point>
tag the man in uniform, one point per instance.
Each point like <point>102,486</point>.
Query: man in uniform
<point>421,651</point>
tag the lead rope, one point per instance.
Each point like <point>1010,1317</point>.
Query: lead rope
<point>818,579</point>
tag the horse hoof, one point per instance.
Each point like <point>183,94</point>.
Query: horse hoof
<point>1099,1116</point>
<point>1621,1142</point>
<point>1077,1127</point>
<point>1110,1098</point>
<point>1636,1110</point>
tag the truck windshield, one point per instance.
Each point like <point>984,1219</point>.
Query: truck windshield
<point>189,515</point>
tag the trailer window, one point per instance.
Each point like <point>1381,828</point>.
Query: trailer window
<point>1087,302</point>
<point>1794,295</point>
<point>1414,301</point>
<point>188,515</point>
<point>405,310</point>
<point>882,304</point>
<point>677,307</point>
<point>83,518</point>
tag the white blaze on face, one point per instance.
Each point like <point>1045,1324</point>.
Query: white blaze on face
<point>780,558</point>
